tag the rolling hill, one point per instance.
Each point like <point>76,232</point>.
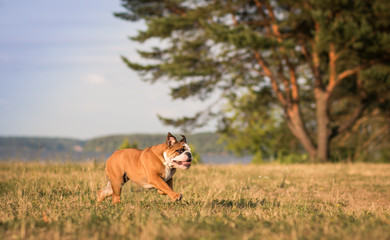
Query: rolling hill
<point>42,148</point>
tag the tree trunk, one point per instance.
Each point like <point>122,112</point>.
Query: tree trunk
<point>295,123</point>
<point>323,128</point>
<point>320,152</point>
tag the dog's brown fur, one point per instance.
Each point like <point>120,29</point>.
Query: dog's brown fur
<point>152,167</point>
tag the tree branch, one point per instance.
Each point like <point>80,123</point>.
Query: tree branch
<point>352,71</point>
<point>285,83</point>
<point>353,119</point>
<point>349,72</point>
<point>294,84</point>
<point>259,8</point>
<point>316,59</point>
<point>313,66</point>
<point>234,18</point>
<point>293,113</point>
<point>269,74</point>
<point>332,68</point>
<point>175,9</point>
<point>275,28</point>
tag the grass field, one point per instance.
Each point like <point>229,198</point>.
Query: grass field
<point>57,201</point>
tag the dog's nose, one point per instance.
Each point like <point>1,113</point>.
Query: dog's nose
<point>189,155</point>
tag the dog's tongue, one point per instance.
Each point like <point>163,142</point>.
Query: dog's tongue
<point>183,163</point>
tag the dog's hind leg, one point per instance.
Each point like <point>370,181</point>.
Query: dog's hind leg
<point>117,189</point>
<point>104,192</point>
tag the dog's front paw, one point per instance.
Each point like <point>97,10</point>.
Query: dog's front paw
<point>176,197</point>
<point>116,199</point>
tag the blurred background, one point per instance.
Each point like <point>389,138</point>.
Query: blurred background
<point>250,81</point>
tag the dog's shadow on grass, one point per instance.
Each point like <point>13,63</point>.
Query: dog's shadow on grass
<point>214,203</point>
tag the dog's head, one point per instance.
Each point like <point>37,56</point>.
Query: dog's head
<point>177,153</point>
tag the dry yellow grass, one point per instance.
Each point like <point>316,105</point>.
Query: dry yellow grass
<point>331,201</point>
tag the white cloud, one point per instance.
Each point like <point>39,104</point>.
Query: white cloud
<point>95,79</point>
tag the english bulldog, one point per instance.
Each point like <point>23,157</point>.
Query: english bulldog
<point>152,167</point>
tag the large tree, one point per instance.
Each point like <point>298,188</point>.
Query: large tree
<point>309,58</point>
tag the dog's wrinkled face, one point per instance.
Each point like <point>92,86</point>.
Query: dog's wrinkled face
<point>178,153</point>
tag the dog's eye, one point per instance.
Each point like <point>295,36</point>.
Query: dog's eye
<point>180,151</point>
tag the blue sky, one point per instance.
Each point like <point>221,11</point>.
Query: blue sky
<point>61,73</point>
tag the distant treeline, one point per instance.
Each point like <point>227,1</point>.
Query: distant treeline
<point>28,148</point>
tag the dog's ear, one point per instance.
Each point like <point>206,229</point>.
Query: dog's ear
<point>171,140</point>
<point>184,140</point>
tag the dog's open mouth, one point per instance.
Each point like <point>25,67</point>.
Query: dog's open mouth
<point>182,163</point>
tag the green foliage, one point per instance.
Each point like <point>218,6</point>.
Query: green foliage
<point>293,158</point>
<point>126,144</point>
<point>257,158</point>
<point>256,126</point>
<point>240,37</point>
<point>255,53</point>
<point>196,158</point>
<point>384,156</point>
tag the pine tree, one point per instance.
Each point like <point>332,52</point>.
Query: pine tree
<point>311,58</point>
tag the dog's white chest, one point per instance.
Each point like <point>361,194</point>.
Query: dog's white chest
<point>169,171</point>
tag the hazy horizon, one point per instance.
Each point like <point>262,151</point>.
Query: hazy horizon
<point>175,133</point>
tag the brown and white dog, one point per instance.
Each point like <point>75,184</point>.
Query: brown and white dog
<point>152,167</point>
